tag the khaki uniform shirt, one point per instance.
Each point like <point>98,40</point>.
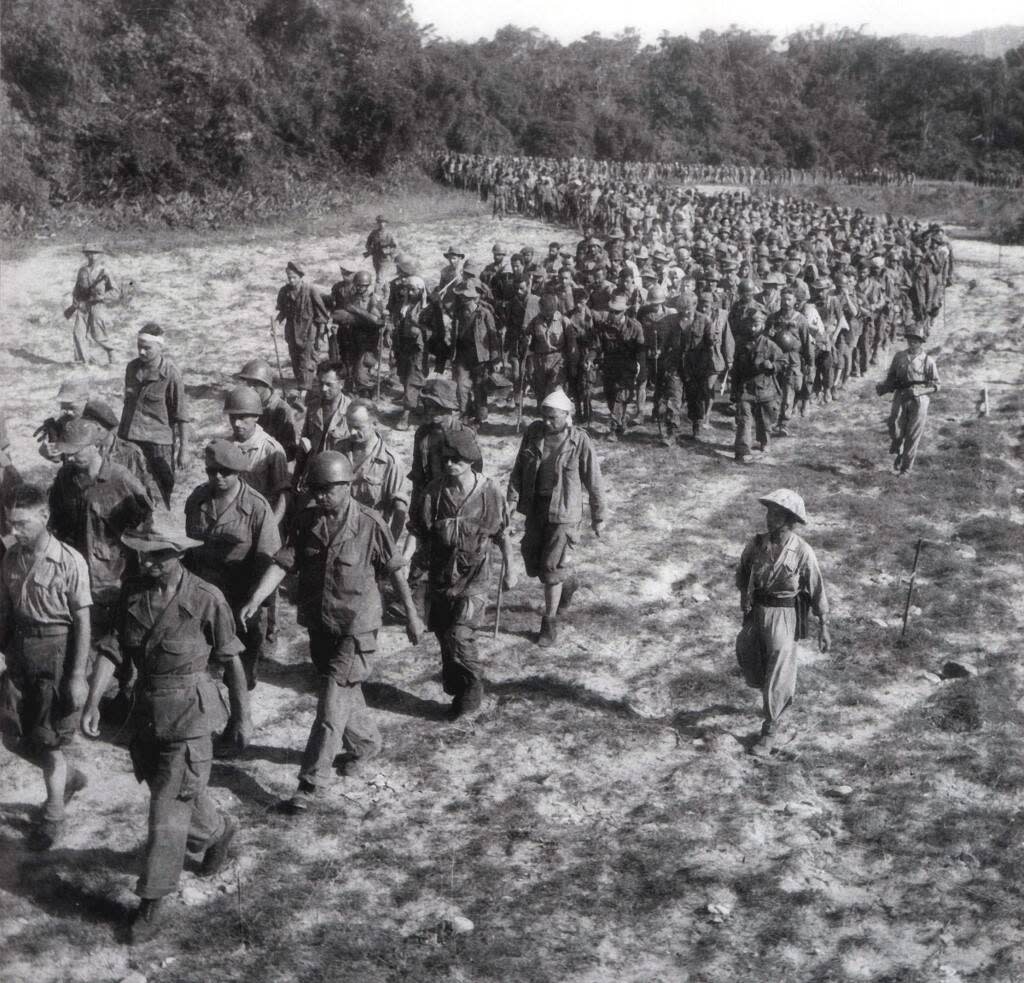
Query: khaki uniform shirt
<point>43,590</point>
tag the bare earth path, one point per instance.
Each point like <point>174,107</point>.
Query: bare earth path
<point>600,820</point>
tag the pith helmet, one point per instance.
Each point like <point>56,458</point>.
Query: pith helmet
<point>786,499</point>
<point>257,371</point>
<point>243,401</point>
<point>328,468</point>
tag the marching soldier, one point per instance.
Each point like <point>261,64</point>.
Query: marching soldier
<point>555,464</point>
<point>236,539</point>
<point>779,580</point>
<point>621,341</point>
<point>301,309</point>
<point>266,464</point>
<point>477,348</point>
<point>912,379</point>
<point>173,627</point>
<point>276,418</point>
<point>44,635</point>
<point>380,247</point>
<point>339,549</point>
<point>458,518</point>
<point>755,385</point>
<point>154,414</point>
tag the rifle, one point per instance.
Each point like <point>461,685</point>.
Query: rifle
<point>523,369</point>
<point>380,354</point>
<point>910,589</point>
<point>277,351</point>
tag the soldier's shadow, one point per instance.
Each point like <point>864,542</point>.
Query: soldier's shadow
<point>384,696</point>
<point>226,774</point>
<point>35,359</point>
<point>52,881</point>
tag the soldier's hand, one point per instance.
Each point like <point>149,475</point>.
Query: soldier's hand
<point>508,579</point>
<point>181,458</point>
<point>414,629</point>
<point>248,612</point>
<point>76,692</point>
<point>597,527</point>
<point>91,720</point>
<point>824,638</point>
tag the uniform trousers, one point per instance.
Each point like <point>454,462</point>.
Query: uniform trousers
<point>343,721</point>
<point>906,427</point>
<point>766,652</point>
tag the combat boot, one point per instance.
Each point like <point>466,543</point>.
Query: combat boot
<point>217,854</point>
<point>149,920</point>
<point>548,632</point>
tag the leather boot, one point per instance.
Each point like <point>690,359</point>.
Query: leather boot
<point>548,632</point>
<point>150,918</point>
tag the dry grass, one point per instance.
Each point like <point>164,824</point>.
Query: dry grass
<point>586,820</point>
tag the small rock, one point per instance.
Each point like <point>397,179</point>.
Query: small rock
<point>840,791</point>
<point>880,622</point>
<point>192,896</point>
<point>461,924</point>
<point>916,611</point>
<point>929,676</point>
<point>719,912</point>
<point>802,810</point>
<point>958,670</point>
<point>698,595</point>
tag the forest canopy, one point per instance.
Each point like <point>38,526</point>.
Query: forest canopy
<point>104,99</point>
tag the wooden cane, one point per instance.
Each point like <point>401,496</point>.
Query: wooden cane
<point>910,588</point>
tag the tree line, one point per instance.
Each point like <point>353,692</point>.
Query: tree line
<point>106,99</point>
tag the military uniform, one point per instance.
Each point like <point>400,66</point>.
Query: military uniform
<point>268,465</point>
<point>553,349</point>
<point>477,348</point>
<point>39,597</point>
<point>304,314</point>
<point>621,344</point>
<point>755,390</point>
<point>173,644</point>
<point>238,544</point>
<point>378,480</point>
<point>154,402</point>
<point>338,559</point>
<point>458,529</point>
<point>548,478</point>
<point>278,420</point>
<point>907,378</point>
<point>775,577</point>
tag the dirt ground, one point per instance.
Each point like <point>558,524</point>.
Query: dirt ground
<point>601,819</point>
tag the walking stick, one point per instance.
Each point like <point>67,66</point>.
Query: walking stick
<point>910,589</point>
<point>277,351</point>
<point>501,594</point>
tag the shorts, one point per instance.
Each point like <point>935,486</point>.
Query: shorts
<point>31,701</point>
<point>547,549</point>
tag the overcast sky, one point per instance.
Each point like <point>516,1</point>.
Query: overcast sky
<point>567,21</point>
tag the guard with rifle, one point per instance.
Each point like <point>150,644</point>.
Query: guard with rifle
<point>92,285</point>
<point>912,379</point>
<point>779,581</point>
<point>458,518</point>
<point>556,463</point>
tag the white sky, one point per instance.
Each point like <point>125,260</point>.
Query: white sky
<point>473,19</point>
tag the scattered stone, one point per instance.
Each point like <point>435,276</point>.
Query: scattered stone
<point>929,676</point>
<point>698,594</point>
<point>839,791</point>
<point>192,896</point>
<point>915,610</point>
<point>719,912</point>
<point>958,670</point>
<point>460,924</point>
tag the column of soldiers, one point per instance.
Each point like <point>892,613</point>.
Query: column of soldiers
<point>106,590</point>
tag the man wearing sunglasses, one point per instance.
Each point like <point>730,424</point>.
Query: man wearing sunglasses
<point>339,549</point>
